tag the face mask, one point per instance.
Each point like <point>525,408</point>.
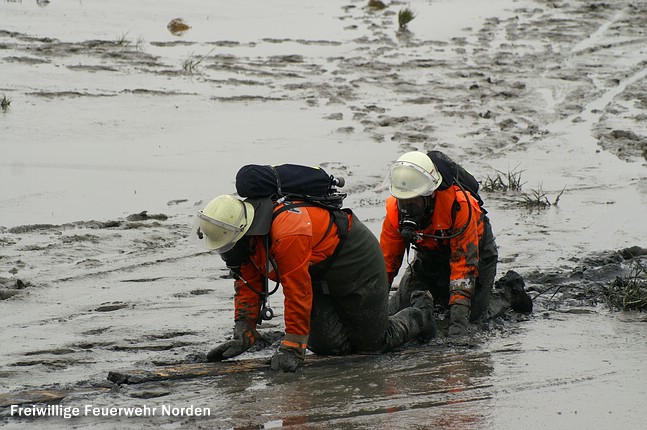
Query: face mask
<point>412,208</point>
<point>414,215</point>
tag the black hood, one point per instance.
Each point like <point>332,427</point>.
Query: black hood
<point>263,209</point>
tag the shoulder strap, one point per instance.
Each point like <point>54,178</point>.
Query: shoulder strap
<point>340,218</point>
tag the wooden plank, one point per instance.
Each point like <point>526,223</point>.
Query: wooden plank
<point>185,371</point>
<point>32,397</point>
<point>198,370</point>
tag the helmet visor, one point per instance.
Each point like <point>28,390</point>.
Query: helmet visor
<point>409,180</point>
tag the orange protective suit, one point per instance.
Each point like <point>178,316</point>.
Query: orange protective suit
<point>336,291</point>
<point>450,213</point>
<point>299,238</point>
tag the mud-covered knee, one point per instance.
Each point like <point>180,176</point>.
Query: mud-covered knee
<point>329,345</point>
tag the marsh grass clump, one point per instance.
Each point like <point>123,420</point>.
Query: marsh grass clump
<point>628,292</point>
<point>537,199</point>
<point>191,63</point>
<point>123,40</point>
<point>139,44</point>
<point>5,103</point>
<point>504,182</point>
<point>405,16</point>
<point>511,182</point>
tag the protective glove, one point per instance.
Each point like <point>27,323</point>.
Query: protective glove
<point>244,337</point>
<point>459,320</point>
<point>288,358</point>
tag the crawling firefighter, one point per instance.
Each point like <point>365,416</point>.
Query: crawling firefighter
<point>332,272</point>
<point>435,209</point>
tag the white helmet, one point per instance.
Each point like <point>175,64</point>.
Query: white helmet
<point>413,175</point>
<point>222,223</point>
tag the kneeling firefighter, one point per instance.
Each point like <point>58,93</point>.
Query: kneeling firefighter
<point>331,270</point>
<point>435,208</point>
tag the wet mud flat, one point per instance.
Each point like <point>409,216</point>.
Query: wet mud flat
<point>118,357</point>
<point>554,87</point>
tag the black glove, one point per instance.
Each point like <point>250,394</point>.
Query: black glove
<point>459,320</point>
<point>244,337</point>
<point>288,358</point>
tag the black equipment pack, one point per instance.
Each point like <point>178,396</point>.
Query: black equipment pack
<point>292,182</point>
<point>453,172</point>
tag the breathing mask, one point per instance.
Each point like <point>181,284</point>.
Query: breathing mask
<point>415,214</point>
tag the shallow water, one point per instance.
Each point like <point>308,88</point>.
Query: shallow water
<point>99,131</point>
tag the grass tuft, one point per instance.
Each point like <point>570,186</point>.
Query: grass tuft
<point>123,40</point>
<point>628,292</point>
<point>537,199</point>
<point>511,182</point>
<point>191,63</point>
<point>504,182</point>
<point>5,103</point>
<point>139,44</point>
<point>405,16</point>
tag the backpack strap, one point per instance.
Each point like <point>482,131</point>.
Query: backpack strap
<point>340,218</point>
<point>278,181</point>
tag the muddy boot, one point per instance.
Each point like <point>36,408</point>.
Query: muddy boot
<point>414,322</point>
<point>425,301</point>
<point>511,286</point>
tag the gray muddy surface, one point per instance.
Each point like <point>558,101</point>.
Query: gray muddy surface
<point>119,130</point>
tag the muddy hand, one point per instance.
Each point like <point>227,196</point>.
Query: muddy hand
<point>245,335</point>
<point>226,350</point>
